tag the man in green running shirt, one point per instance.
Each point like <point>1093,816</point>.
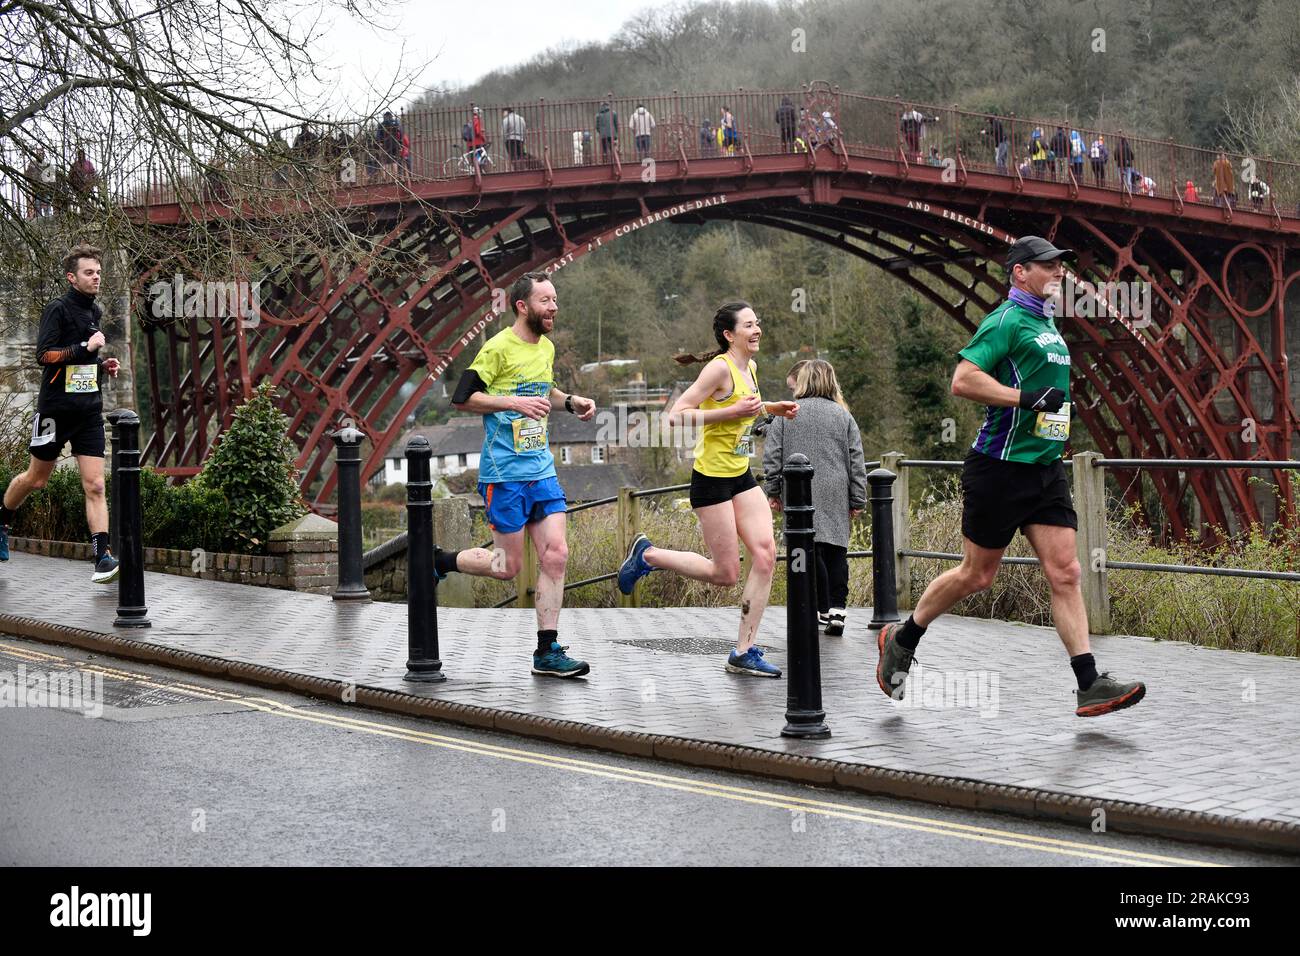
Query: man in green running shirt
<point>1018,367</point>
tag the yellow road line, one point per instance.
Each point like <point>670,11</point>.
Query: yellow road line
<point>824,808</point>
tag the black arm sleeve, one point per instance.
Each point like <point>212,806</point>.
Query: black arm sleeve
<point>469,383</point>
<point>52,347</point>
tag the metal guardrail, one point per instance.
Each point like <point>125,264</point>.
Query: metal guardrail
<point>637,494</point>
<point>1092,526</point>
<point>560,134</point>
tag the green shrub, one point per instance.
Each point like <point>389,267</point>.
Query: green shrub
<point>253,467</point>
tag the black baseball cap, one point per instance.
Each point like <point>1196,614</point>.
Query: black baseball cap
<point>1034,249</point>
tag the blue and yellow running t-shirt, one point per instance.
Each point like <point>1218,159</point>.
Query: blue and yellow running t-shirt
<point>515,448</point>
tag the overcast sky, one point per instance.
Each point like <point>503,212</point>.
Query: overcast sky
<point>460,41</point>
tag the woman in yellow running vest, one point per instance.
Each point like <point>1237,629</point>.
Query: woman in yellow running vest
<point>724,403</point>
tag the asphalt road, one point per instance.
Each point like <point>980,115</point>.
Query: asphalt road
<point>185,770</point>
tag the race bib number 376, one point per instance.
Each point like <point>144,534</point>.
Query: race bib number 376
<point>529,435</point>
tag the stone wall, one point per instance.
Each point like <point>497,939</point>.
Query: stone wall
<point>304,557</point>
<point>262,570</point>
<point>386,566</point>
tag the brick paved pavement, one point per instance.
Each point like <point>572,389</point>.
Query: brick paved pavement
<point>1216,733</point>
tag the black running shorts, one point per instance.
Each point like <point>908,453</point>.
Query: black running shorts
<point>52,430</point>
<point>707,490</point>
<point>1003,496</point>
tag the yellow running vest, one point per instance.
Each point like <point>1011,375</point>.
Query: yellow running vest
<point>724,448</point>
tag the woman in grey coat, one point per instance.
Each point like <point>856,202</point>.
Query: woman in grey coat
<point>826,432</point>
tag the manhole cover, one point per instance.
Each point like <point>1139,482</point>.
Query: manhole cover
<point>682,645</point>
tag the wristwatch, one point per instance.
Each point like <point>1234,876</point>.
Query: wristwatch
<point>568,404</point>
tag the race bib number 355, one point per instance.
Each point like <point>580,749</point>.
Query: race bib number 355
<point>529,435</point>
<point>82,379</point>
<point>1054,426</point>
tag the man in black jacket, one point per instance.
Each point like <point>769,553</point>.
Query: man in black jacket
<point>69,349</point>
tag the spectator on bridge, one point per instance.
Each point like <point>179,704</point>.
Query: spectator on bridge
<point>1097,156</point>
<point>642,125</point>
<point>827,131</point>
<point>388,143</point>
<point>607,130</point>
<point>513,131</point>
<point>40,177</point>
<point>1145,184</point>
<point>1060,147</point>
<point>708,138</point>
<point>1258,191</point>
<point>306,142</point>
<point>1124,160</point>
<point>910,124</point>
<point>787,120</point>
<point>1038,154</point>
<point>806,138</point>
<point>1190,194</point>
<point>1224,182</point>
<point>998,136</point>
<point>477,137</point>
<point>581,146</point>
<point>1077,150</point>
<point>81,177</point>
<point>934,159</point>
<point>406,155</point>
<point>730,131</point>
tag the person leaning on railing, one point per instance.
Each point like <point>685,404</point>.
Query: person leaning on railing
<point>826,433</point>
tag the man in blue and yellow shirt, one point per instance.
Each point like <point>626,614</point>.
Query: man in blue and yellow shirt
<point>511,383</point>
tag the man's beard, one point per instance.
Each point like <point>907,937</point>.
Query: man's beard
<point>535,323</point>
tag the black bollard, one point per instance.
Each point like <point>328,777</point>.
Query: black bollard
<point>884,583</point>
<point>352,576</point>
<point>131,610</point>
<point>804,716</point>
<point>114,519</point>
<point>423,663</point>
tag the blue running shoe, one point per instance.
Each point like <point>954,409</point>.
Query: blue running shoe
<point>634,567</point>
<point>751,662</point>
<point>4,543</point>
<point>556,663</point>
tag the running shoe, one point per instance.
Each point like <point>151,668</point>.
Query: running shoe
<point>751,662</point>
<point>634,567</point>
<point>4,543</point>
<point>1107,695</point>
<point>895,661</point>
<point>835,622</point>
<point>105,570</point>
<point>556,663</point>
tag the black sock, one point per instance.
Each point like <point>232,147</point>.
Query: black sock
<point>1085,670</point>
<point>444,562</point>
<point>545,639</point>
<point>99,541</point>
<point>909,635</point>
<point>7,516</point>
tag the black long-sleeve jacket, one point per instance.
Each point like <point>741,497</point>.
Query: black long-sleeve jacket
<point>66,323</point>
